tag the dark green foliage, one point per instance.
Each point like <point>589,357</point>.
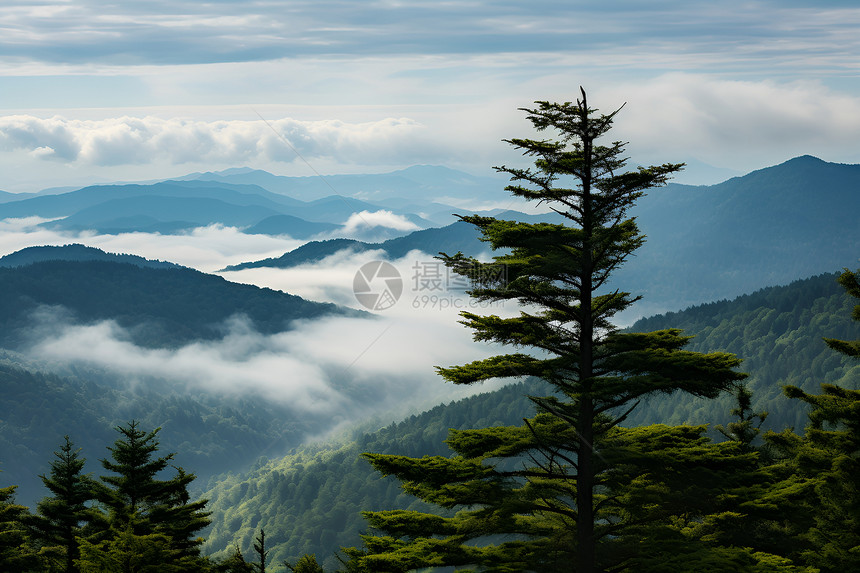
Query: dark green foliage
<point>235,563</point>
<point>16,555</point>
<point>560,491</point>
<point>260,550</point>
<point>826,463</point>
<point>307,564</point>
<point>76,252</point>
<point>214,433</point>
<point>161,307</point>
<point>309,502</point>
<point>778,331</point>
<point>62,516</point>
<point>851,283</point>
<point>143,513</point>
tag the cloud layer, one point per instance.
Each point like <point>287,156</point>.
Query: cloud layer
<point>161,32</point>
<point>131,140</point>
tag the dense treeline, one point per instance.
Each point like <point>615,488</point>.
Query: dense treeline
<point>159,307</point>
<point>133,518</point>
<point>215,433</point>
<point>310,501</point>
<point>803,311</point>
<point>778,332</point>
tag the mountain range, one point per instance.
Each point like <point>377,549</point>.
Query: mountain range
<point>706,247</point>
<point>703,242</point>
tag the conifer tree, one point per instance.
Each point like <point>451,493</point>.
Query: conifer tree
<point>142,508</point>
<point>61,517</point>
<point>550,487</point>
<point>826,462</point>
<point>260,549</point>
<point>16,555</point>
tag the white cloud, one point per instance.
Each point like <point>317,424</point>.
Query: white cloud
<point>739,124</point>
<point>139,140</point>
<point>364,221</point>
<point>345,369</point>
<point>205,248</point>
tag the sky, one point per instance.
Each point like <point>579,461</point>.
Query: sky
<point>98,90</point>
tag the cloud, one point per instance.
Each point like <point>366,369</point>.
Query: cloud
<point>137,140</point>
<point>378,219</point>
<point>347,368</point>
<point>342,369</point>
<point>742,124</point>
<point>230,31</point>
<point>205,248</point>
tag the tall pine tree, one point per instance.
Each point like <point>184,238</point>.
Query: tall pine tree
<point>546,496</point>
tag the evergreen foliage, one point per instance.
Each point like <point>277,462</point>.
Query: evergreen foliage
<point>16,554</point>
<point>143,513</point>
<point>550,485</point>
<point>826,465</point>
<point>62,517</point>
<point>309,502</point>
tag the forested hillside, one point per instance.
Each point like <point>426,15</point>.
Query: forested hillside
<point>213,434</point>
<point>778,332</point>
<point>160,307</point>
<point>309,501</point>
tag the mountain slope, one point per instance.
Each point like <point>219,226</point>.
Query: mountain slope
<point>309,501</point>
<point>458,236</point>
<point>768,227</point>
<point>418,182</point>
<point>161,307</point>
<point>703,243</point>
<point>75,252</point>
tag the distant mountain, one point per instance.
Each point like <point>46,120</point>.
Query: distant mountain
<point>419,182</point>
<point>76,252</point>
<point>160,307</point>
<point>176,206</point>
<point>771,226</point>
<point>458,236</point>
<point>289,225</point>
<point>703,243</point>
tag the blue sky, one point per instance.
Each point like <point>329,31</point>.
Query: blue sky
<point>95,90</point>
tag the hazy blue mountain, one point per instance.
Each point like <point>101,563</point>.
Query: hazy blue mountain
<point>75,252</point>
<point>419,182</point>
<point>771,226</point>
<point>175,206</point>
<point>288,225</point>
<point>65,204</point>
<point>703,243</point>
<point>147,212</point>
<point>455,237</point>
<point>6,197</point>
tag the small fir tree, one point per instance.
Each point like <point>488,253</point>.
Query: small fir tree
<point>61,517</point>
<point>139,505</point>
